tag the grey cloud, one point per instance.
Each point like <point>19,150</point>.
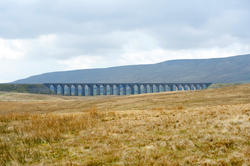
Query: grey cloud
<point>105,27</point>
<point>108,45</point>
<point>70,16</point>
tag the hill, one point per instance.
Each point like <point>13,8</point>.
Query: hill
<point>209,127</point>
<point>218,70</point>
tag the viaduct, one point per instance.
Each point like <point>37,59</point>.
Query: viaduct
<point>95,89</point>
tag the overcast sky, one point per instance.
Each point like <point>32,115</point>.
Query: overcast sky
<point>38,36</point>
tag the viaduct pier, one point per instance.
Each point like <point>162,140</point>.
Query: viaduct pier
<point>96,89</point>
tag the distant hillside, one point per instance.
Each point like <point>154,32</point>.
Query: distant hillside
<point>222,70</point>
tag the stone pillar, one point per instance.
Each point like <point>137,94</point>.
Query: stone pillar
<point>98,90</point>
<point>139,88</point>
<point>55,89</point>
<point>163,88</point>
<point>76,90</point>
<point>132,89</point>
<point>145,88</point>
<point>118,89</point>
<point>175,88</point>
<point>194,86</point>
<point>154,88</point>
<point>170,87</point>
<point>83,90</point>
<point>180,87</point>
<point>157,88</point>
<point>88,90</point>
<point>91,90</point>
<point>69,86</point>
<point>104,90</point>
<point>62,90</point>
<point>124,90</point>
<point>111,89</point>
<point>166,88</point>
<point>121,90</point>
<point>151,90</point>
<point>185,86</point>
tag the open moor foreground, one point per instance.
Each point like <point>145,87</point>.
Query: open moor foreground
<point>208,127</point>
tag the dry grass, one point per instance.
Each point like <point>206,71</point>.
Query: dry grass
<point>210,127</point>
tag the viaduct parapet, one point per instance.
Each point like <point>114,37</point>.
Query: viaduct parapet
<point>96,89</point>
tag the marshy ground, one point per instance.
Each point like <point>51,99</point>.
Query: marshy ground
<point>208,127</point>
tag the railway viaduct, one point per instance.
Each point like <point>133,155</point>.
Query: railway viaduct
<point>95,89</point>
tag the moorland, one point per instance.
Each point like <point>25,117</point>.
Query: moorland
<point>207,127</point>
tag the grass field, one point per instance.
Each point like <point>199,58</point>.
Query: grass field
<point>208,127</point>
